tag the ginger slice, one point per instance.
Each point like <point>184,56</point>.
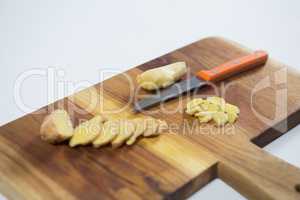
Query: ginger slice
<point>87,131</point>
<point>152,127</point>
<point>148,127</point>
<point>140,127</point>
<point>232,112</point>
<point>203,113</point>
<point>193,110</point>
<point>193,106</point>
<point>126,129</point>
<point>216,100</point>
<point>109,132</point>
<point>162,126</point>
<point>213,107</point>
<point>56,127</point>
<point>220,118</point>
<point>231,108</point>
<point>232,116</point>
<point>205,118</point>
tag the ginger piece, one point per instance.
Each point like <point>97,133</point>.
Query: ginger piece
<point>232,112</point>
<point>87,131</point>
<point>193,110</point>
<point>140,127</point>
<point>229,108</point>
<point>155,127</point>
<point>205,110</point>
<point>193,106</point>
<point>126,129</point>
<point>232,116</point>
<point>194,102</point>
<point>162,126</point>
<point>216,100</point>
<point>204,105</point>
<point>204,116</point>
<point>213,107</point>
<point>220,118</point>
<point>205,119</point>
<point>203,113</point>
<point>208,106</point>
<point>109,132</point>
<point>56,127</point>
<point>161,77</point>
<point>147,127</point>
<point>152,127</point>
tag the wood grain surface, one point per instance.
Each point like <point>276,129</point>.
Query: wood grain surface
<point>175,164</point>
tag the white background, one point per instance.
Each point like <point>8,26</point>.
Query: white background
<point>82,37</point>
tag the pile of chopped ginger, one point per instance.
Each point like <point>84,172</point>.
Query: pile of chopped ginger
<point>213,108</point>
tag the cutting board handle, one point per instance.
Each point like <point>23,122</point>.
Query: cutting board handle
<point>259,175</point>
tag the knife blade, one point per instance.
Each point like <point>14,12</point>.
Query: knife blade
<point>203,77</point>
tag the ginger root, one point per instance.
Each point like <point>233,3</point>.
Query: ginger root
<point>161,77</point>
<point>56,127</point>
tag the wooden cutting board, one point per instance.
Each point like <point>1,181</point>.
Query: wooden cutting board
<point>173,165</point>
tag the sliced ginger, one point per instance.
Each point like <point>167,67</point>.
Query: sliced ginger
<point>140,127</point>
<point>56,127</point>
<point>161,77</point>
<point>109,132</point>
<point>162,126</point>
<point>147,127</point>
<point>152,127</point>
<point>126,129</point>
<point>213,108</point>
<point>87,131</point>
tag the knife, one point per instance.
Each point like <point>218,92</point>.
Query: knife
<point>203,77</point>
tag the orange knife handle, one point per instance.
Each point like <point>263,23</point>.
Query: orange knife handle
<point>234,66</point>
